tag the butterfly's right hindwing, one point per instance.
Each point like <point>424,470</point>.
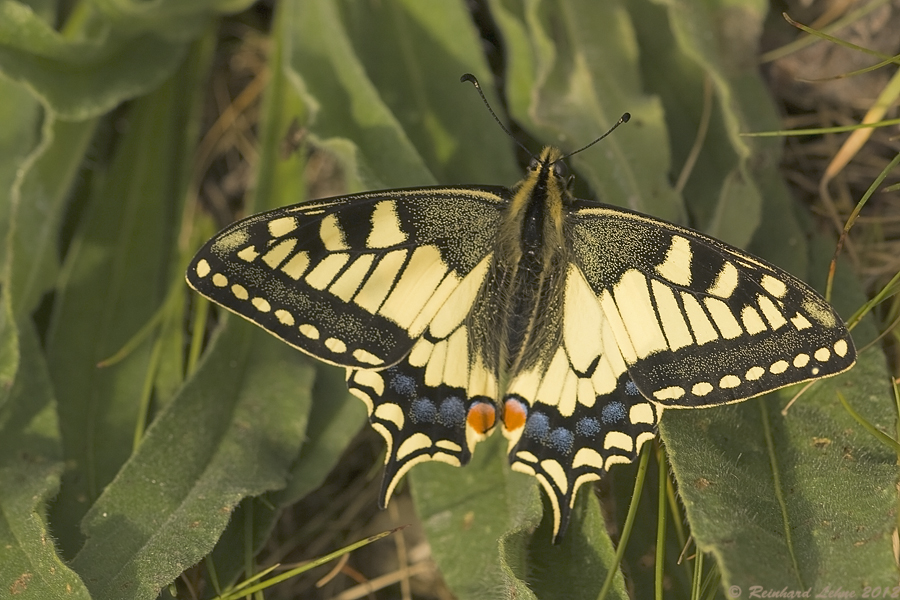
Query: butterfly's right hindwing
<point>353,281</point>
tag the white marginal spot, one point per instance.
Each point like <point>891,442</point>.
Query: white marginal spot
<point>372,379</point>
<point>284,317</point>
<point>219,280</point>
<point>364,356</point>
<point>840,348</point>
<point>386,230</point>
<point>701,326</point>
<point>526,456</point>
<point>279,252</point>
<point>587,457</point>
<point>754,373</point>
<point>643,438</point>
<point>726,281</point>
<point>310,331</point>
<point>248,254</point>
<point>814,370</point>
<point>557,473</point>
<point>282,226</point>
<point>327,269</point>
<point>642,413</point>
<point>348,283</point>
<point>729,382</point>
<point>822,354</point>
<point>724,318</point>
<point>261,304</point>
<point>677,265</point>
<point>414,443</point>
<point>801,360</point>
<point>773,286</point>
<point>670,393</point>
<point>331,233</point>
<point>448,445</point>
<point>632,296</point>
<point>381,280</point>
<point>676,329</point>
<point>752,321</point>
<point>770,312</point>
<point>778,367</point>
<point>296,267</point>
<point>414,286</point>
<point>240,292</point>
<point>702,388</point>
<point>800,322</point>
<point>336,345</point>
<point>616,459</point>
<point>203,268</point>
<point>392,413</point>
<point>617,439</point>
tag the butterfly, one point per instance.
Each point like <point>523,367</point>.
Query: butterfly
<point>567,323</point>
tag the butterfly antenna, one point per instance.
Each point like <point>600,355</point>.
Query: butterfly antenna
<point>623,119</point>
<point>471,79</point>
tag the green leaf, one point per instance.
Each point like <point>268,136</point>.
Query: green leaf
<point>232,432</point>
<point>30,466</point>
<point>82,78</point>
<point>116,275</point>
<point>572,74</point>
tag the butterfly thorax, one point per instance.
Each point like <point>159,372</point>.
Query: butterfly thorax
<point>531,259</point>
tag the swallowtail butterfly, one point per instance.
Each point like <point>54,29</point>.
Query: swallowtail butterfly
<point>569,324</point>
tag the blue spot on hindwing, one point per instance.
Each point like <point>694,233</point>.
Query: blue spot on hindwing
<point>403,384</point>
<point>614,412</point>
<point>537,426</point>
<point>422,410</point>
<point>452,412</point>
<point>561,440</point>
<point>588,427</point>
<point>631,389</point>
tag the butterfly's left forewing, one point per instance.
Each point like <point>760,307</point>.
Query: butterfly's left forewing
<point>353,281</point>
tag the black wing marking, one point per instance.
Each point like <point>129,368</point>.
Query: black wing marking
<point>354,280</point>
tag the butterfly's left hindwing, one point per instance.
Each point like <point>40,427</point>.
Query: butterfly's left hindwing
<point>353,281</point>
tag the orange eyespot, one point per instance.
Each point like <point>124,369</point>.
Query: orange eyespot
<point>514,414</point>
<point>481,417</point>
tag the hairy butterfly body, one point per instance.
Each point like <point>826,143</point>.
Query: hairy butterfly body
<point>570,324</point>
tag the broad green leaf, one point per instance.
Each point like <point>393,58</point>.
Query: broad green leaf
<point>473,513</point>
<point>115,278</point>
<point>82,78</point>
<point>366,84</point>
<point>830,516</point>
<point>30,468</point>
<point>573,71</point>
<point>232,432</point>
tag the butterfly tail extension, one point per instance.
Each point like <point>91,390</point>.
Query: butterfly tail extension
<point>567,451</point>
